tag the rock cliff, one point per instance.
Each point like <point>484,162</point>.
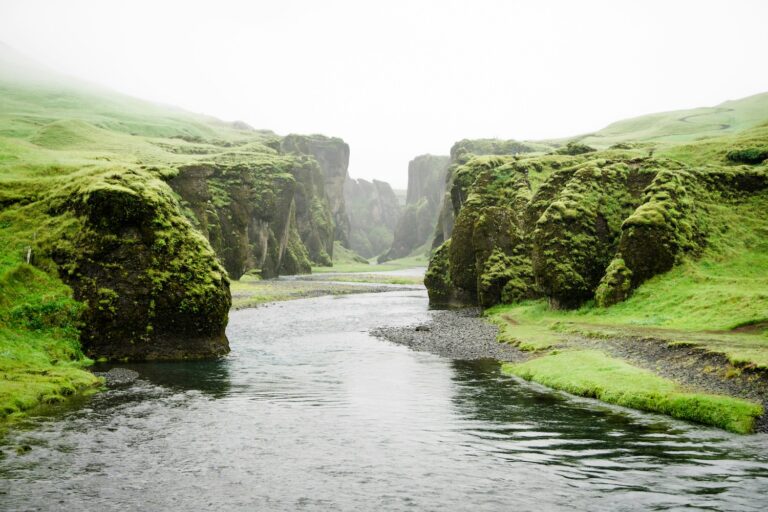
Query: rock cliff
<point>373,212</point>
<point>573,228</point>
<point>150,284</point>
<point>332,155</point>
<point>426,182</point>
<point>455,190</point>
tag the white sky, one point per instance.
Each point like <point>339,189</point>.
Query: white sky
<point>398,79</point>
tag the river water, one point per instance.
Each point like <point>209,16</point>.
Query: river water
<point>309,412</point>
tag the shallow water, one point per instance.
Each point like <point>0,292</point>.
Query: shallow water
<point>311,413</point>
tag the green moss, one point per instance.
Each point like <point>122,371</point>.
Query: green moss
<point>437,279</point>
<point>593,374</point>
<point>616,284</point>
<point>575,148</point>
<point>752,156</point>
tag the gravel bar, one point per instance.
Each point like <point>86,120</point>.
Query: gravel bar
<point>457,334</point>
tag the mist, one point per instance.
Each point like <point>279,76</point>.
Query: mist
<point>399,79</point>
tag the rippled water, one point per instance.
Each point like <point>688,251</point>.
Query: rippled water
<point>311,413</point>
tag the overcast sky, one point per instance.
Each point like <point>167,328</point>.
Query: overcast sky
<point>398,79</point>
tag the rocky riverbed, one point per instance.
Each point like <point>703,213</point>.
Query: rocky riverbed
<point>460,334</point>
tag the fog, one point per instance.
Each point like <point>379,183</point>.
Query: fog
<point>398,79</point>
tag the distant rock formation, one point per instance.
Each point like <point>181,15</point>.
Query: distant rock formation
<point>332,154</point>
<point>426,181</point>
<point>373,211</point>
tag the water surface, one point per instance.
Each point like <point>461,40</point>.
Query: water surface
<point>311,413</point>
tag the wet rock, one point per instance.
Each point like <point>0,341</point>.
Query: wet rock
<point>118,376</point>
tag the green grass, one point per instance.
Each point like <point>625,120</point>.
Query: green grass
<point>40,357</point>
<point>527,337</point>
<point>593,374</point>
<point>371,278</point>
<point>356,267</point>
<point>250,294</point>
<point>682,126</point>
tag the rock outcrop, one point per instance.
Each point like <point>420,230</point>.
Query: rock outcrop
<point>426,180</point>
<point>373,212</point>
<point>151,286</point>
<point>455,188</point>
<point>247,212</point>
<point>332,154</point>
<point>572,228</point>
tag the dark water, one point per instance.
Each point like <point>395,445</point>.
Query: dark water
<point>310,413</point>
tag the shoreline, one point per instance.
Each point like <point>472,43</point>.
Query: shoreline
<point>700,376</point>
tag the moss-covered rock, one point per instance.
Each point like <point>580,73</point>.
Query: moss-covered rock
<point>459,177</point>
<point>663,227</point>
<point>314,220</point>
<point>246,211</point>
<point>616,284</point>
<point>573,228</point>
<point>151,284</point>
<point>332,155</point>
<point>437,279</point>
<point>576,236</point>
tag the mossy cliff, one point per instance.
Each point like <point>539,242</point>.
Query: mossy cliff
<point>268,215</point>
<point>426,179</point>
<point>149,284</point>
<point>572,228</point>
<point>373,214</point>
<point>332,155</point>
<point>455,187</point>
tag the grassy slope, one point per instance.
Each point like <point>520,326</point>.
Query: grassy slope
<point>347,261</point>
<point>593,374</point>
<point>681,126</point>
<point>56,132</point>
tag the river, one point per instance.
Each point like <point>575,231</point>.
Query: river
<point>309,412</point>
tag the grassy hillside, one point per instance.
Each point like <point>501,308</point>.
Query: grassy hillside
<point>727,118</point>
<point>62,144</point>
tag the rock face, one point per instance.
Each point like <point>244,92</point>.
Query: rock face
<point>332,154</point>
<point>247,212</point>
<point>455,189</point>
<point>373,214</point>
<point>151,284</point>
<point>426,180</point>
<point>572,228</point>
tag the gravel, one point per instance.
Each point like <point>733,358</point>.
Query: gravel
<point>458,334</point>
<point>118,376</point>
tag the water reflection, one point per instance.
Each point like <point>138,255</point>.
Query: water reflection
<point>311,413</point>
<point>209,377</point>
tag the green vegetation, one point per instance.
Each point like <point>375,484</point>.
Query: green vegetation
<point>40,356</point>
<point>593,374</point>
<point>681,126</point>
<point>253,293</point>
<point>350,265</point>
